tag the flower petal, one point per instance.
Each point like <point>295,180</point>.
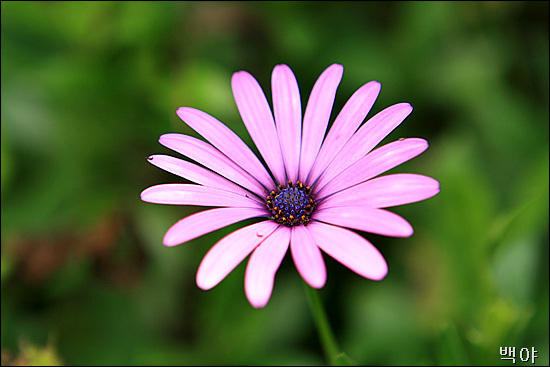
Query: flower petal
<point>307,257</point>
<point>205,154</point>
<point>365,139</point>
<point>352,115</point>
<point>207,221</point>
<point>196,174</point>
<point>225,255</point>
<point>317,115</point>
<point>370,220</point>
<point>350,249</point>
<point>384,192</point>
<point>262,266</point>
<point>288,116</point>
<point>189,194</point>
<point>258,119</point>
<point>376,162</point>
<point>227,142</point>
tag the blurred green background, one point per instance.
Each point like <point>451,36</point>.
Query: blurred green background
<point>87,89</point>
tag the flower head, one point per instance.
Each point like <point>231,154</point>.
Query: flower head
<point>312,187</point>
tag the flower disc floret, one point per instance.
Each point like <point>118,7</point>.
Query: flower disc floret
<point>291,204</point>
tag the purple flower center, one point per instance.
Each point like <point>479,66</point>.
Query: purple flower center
<point>291,204</point>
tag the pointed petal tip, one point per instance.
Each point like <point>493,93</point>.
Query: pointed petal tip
<point>239,72</point>
<point>419,143</point>
<point>380,273</point>
<point>170,244</point>
<point>257,305</point>
<point>405,106</point>
<point>204,286</point>
<point>422,141</point>
<point>144,194</point>
<point>170,241</point>
<point>338,68</point>
<point>203,282</point>
<point>148,195</point>
<point>380,277</point>
<point>316,283</point>
<point>282,71</point>
<point>185,113</point>
<point>239,75</point>
<point>408,232</point>
<point>432,185</point>
<point>282,66</point>
<point>438,188</point>
<point>375,84</point>
<point>258,300</point>
<point>168,136</point>
<point>180,110</point>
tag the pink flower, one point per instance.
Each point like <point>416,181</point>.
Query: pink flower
<point>312,190</point>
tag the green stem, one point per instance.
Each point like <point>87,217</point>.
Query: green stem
<point>333,353</point>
